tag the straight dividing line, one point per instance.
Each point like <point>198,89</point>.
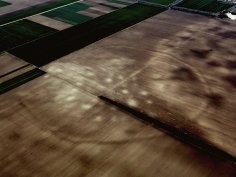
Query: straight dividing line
<point>21,81</point>
<point>110,6</point>
<point>160,5</point>
<point>163,9</point>
<point>35,22</point>
<point>27,41</point>
<point>130,76</point>
<point>17,69</point>
<point>152,4</point>
<point>15,74</point>
<point>40,13</point>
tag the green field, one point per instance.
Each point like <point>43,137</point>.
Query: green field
<point>3,3</point>
<point>9,40</point>
<point>205,5</point>
<point>20,32</point>
<point>33,10</point>
<point>79,36</point>
<point>162,2</point>
<point>69,14</point>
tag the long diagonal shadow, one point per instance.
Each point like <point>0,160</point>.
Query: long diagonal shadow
<point>180,134</point>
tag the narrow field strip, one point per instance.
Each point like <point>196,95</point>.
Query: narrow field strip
<point>15,70</point>
<point>69,14</point>
<point>18,33</point>
<point>19,80</point>
<point>33,10</point>
<point>16,73</point>
<point>119,2</point>
<point>50,48</point>
<point>161,2</point>
<point>28,30</point>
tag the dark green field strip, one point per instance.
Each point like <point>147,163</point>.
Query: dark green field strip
<point>205,5</point>
<point>28,30</point>
<point>21,32</point>
<point>8,41</point>
<point>67,9</point>
<point>69,14</point>
<point>33,10</point>
<point>119,2</point>
<point>3,3</point>
<point>216,7</point>
<point>162,2</point>
<point>50,48</point>
<point>19,80</point>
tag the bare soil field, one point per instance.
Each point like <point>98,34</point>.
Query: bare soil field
<point>57,129</point>
<point>9,63</point>
<point>181,72</point>
<point>169,109</point>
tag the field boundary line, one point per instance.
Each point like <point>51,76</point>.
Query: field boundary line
<point>40,13</point>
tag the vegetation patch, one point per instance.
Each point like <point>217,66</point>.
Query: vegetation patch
<point>50,48</point>
<point>212,6</point>
<point>3,3</point>
<point>69,14</point>
<point>20,32</point>
<point>33,10</point>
